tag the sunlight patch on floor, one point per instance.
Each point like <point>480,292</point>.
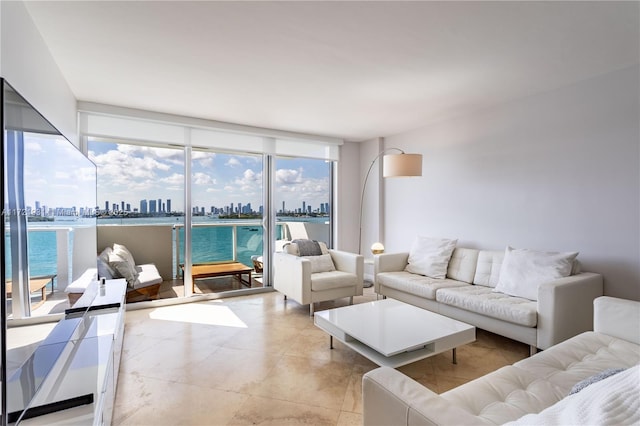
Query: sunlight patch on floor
<point>199,314</point>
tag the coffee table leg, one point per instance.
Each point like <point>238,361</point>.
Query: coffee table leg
<point>330,342</point>
<point>455,360</point>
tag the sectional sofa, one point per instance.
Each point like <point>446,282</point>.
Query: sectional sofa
<point>563,309</point>
<point>557,386</point>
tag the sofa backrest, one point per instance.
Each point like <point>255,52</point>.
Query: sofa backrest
<point>488,269</point>
<point>462,265</point>
<point>481,267</point>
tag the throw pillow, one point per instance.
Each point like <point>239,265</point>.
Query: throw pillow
<point>104,269</point>
<point>430,256</point>
<point>125,269</point>
<point>524,270</point>
<point>124,253</point>
<point>322,263</point>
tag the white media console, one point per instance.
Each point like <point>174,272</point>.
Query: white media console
<point>71,377</point>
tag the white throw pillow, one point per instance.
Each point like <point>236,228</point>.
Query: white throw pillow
<point>430,256</point>
<point>124,253</point>
<point>322,263</point>
<point>104,269</point>
<point>124,268</point>
<point>524,270</point>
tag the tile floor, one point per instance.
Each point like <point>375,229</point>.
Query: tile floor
<point>260,360</point>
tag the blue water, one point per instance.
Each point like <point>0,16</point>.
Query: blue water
<point>209,243</point>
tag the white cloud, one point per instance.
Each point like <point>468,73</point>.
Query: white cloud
<point>288,176</point>
<point>232,162</point>
<point>200,178</point>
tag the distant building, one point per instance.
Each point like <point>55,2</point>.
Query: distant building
<point>106,205</point>
<point>153,208</point>
<point>169,205</point>
<point>143,207</point>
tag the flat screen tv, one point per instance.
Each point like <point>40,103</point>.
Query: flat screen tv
<point>49,227</point>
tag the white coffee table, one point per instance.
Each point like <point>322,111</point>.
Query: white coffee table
<point>392,333</point>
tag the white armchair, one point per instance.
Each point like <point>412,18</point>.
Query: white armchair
<point>294,276</point>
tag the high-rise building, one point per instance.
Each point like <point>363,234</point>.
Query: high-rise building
<point>168,205</point>
<point>143,207</point>
<point>304,206</point>
<point>114,207</point>
<point>38,212</point>
<point>106,205</point>
<point>122,205</point>
<point>283,208</point>
<point>128,207</point>
<point>152,206</point>
<point>159,205</point>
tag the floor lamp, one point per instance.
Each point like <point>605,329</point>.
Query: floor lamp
<point>393,165</point>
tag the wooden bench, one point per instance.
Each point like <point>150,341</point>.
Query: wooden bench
<point>210,270</point>
<point>35,284</point>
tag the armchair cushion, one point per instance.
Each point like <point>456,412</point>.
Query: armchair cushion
<point>322,263</point>
<point>330,280</point>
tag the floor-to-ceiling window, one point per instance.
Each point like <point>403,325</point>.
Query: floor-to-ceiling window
<point>241,192</point>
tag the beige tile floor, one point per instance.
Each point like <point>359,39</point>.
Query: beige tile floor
<point>260,360</point>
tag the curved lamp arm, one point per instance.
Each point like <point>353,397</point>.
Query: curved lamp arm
<point>364,187</point>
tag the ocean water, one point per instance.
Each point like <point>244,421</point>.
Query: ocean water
<point>209,243</point>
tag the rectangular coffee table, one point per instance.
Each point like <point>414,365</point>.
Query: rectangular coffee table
<point>207,270</point>
<point>392,333</point>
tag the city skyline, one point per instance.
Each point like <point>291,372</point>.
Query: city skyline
<point>129,173</point>
<point>145,207</point>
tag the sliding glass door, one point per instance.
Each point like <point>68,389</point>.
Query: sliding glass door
<point>303,200</point>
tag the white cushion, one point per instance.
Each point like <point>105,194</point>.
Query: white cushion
<point>147,275</point>
<point>524,270</point>
<point>488,268</point>
<point>415,284</point>
<point>330,280</point>
<point>83,281</point>
<point>124,253</point>
<point>430,256</point>
<point>484,301</point>
<point>124,268</point>
<point>322,263</point>
<point>462,265</point>
<point>104,269</point>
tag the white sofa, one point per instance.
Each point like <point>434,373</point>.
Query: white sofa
<point>564,307</point>
<point>537,387</point>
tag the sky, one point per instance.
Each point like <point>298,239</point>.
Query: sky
<point>56,173</point>
<point>131,173</point>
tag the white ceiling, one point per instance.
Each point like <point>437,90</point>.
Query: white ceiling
<point>354,70</point>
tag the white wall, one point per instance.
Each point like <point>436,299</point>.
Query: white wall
<point>28,66</point>
<point>555,171</point>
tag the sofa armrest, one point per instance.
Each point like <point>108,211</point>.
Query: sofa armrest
<point>391,398</point>
<point>292,276</point>
<point>618,318</point>
<point>565,307</point>
<point>390,262</point>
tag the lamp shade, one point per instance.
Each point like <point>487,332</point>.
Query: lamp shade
<point>397,165</point>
